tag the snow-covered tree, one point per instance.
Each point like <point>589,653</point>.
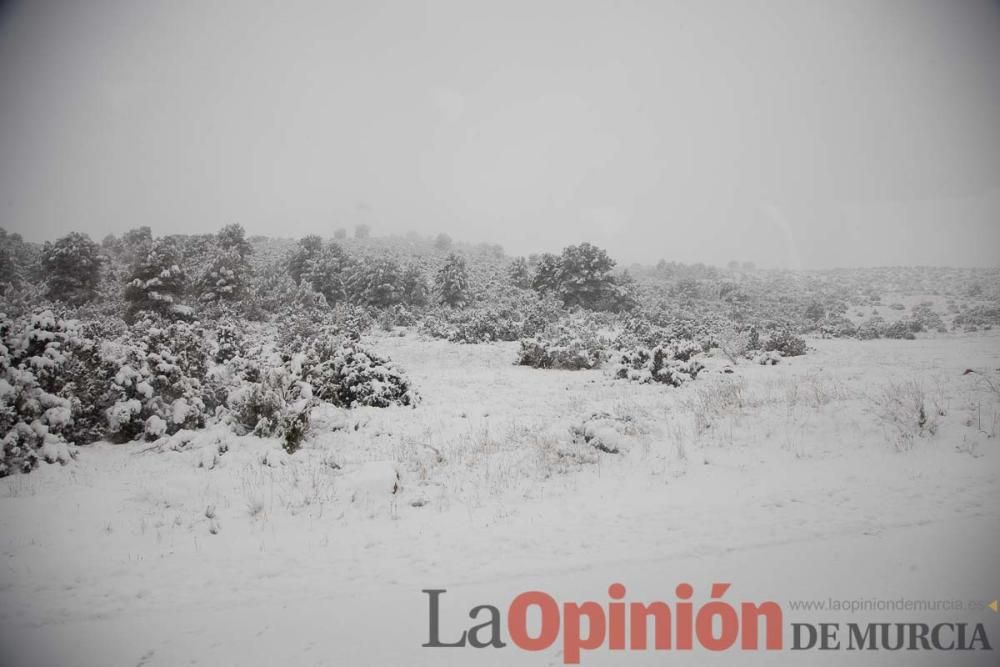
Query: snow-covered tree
<point>228,272</point>
<point>452,282</point>
<point>324,272</point>
<point>442,242</point>
<point>134,244</point>
<point>414,288</point>
<point>12,258</point>
<point>308,249</point>
<point>585,275</point>
<point>72,268</point>
<point>519,273</point>
<point>374,282</point>
<point>156,282</point>
<point>547,278</point>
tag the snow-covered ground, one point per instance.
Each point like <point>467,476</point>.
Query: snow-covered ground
<point>814,478</point>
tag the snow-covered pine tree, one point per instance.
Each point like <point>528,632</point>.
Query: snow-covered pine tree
<point>309,248</point>
<point>228,272</point>
<point>415,290</point>
<point>452,282</point>
<point>72,268</point>
<point>585,275</point>
<point>519,274</point>
<point>324,273</point>
<point>156,282</point>
<point>18,260</point>
<point>547,277</point>
<point>442,242</point>
<point>374,282</point>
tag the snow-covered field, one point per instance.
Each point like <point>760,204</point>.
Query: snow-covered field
<point>814,478</point>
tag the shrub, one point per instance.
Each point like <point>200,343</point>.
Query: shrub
<point>900,330</point>
<point>157,370</point>
<point>569,345</point>
<point>924,315</point>
<point>871,328</point>
<point>354,376</point>
<point>259,407</point>
<point>785,342</point>
<point>33,419</point>
<point>511,315</point>
<point>295,425</point>
<point>672,364</point>
<point>978,317</point>
<point>838,326</point>
<point>228,342</point>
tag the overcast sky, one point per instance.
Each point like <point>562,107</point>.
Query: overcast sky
<point>794,134</point>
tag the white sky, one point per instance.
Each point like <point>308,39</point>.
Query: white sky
<point>798,133</point>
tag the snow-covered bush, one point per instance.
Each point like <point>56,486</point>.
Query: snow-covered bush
<point>901,330</point>
<point>33,418</point>
<point>396,316</point>
<point>785,342</point>
<point>277,397</point>
<point>871,328</point>
<point>926,318</point>
<point>604,432</point>
<point>568,345</point>
<point>259,407</point>
<point>159,370</point>
<point>479,325</point>
<point>838,326</point>
<point>295,425</point>
<point>978,317</point>
<point>641,332</point>
<point>353,376</point>
<point>228,342</point>
<point>674,363</point>
<point>510,316</point>
<point>772,358</point>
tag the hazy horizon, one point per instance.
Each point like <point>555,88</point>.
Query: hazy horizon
<point>790,134</point>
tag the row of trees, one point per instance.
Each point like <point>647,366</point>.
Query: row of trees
<point>219,271</point>
<point>374,281</point>
<point>167,275</point>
